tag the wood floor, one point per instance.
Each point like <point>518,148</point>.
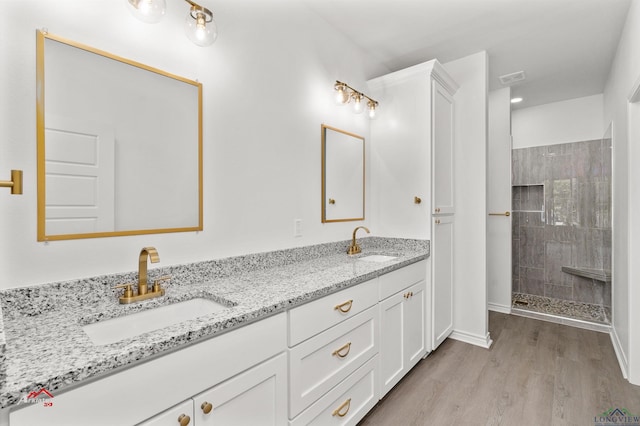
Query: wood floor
<point>535,373</point>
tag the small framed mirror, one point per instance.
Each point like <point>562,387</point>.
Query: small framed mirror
<point>342,175</point>
<point>119,145</point>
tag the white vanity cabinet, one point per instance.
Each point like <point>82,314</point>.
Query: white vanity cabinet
<point>241,366</point>
<point>442,278</point>
<point>256,397</point>
<point>332,368</point>
<point>403,326</point>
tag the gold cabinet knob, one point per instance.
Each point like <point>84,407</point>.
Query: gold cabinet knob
<point>417,200</point>
<point>332,201</point>
<point>184,420</point>
<point>437,209</point>
<point>437,221</point>
<point>206,407</point>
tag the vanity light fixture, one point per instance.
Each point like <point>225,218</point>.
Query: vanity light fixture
<point>199,25</point>
<point>345,93</point>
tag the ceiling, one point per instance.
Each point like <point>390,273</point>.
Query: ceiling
<point>565,47</point>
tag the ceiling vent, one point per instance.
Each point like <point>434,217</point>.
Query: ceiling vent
<point>514,77</point>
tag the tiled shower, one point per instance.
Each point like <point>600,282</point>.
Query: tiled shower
<point>562,229</point>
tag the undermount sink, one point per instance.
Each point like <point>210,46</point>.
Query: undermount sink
<point>377,258</point>
<point>120,328</point>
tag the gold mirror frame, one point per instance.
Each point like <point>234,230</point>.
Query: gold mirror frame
<point>329,200</point>
<point>41,175</point>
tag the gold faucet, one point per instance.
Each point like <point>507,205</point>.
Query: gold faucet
<point>143,287</point>
<point>355,248</point>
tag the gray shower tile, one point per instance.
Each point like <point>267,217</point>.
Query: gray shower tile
<point>532,247</point>
<point>558,291</point>
<point>586,290</point>
<point>559,167</point>
<point>560,149</point>
<point>557,255</point>
<point>559,233</point>
<point>606,294</point>
<point>531,281</point>
<point>515,285</point>
<point>588,158</point>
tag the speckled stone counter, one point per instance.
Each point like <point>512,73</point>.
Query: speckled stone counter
<point>44,346</point>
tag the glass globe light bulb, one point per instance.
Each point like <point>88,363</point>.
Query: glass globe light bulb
<point>200,27</point>
<point>358,105</point>
<point>372,109</point>
<point>149,11</point>
<point>342,97</point>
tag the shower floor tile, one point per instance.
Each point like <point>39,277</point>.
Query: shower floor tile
<point>564,308</point>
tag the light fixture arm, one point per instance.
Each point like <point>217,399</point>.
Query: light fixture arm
<point>195,6</point>
<point>354,92</point>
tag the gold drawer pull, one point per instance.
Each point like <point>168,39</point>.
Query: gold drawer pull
<point>340,352</point>
<point>507,213</point>
<point>184,420</point>
<point>338,411</point>
<point>206,407</point>
<point>344,307</point>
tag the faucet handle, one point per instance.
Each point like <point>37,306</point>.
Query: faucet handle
<point>158,281</point>
<point>128,292</point>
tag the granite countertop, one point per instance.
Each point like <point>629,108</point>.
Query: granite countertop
<point>42,344</point>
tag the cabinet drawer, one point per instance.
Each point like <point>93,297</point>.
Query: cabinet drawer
<point>347,403</point>
<point>314,317</point>
<point>318,364</point>
<point>170,417</point>
<point>400,279</point>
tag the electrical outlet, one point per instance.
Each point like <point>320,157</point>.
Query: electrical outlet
<point>297,227</point>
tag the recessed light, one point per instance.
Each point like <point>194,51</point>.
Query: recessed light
<point>516,100</point>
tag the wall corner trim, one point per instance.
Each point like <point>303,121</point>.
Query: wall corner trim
<point>473,339</point>
<point>617,347</point>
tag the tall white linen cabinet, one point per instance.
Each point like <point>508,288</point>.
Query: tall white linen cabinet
<point>412,187</point>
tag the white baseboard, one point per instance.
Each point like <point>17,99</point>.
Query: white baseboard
<point>473,339</point>
<point>617,347</point>
<point>495,307</point>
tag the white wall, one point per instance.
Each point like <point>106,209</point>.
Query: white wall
<point>625,72</point>
<point>558,122</point>
<point>470,259</point>
<point>268,85</point>
<point>499,272</point>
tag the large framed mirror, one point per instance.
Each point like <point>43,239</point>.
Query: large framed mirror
<point>119,145</point>
<point>342,175</point>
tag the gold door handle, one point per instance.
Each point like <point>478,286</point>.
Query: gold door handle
<point>338,411</point>
<point>206,407</point>
<point>500,214</point>
<point>344,307</point>
<point>341,352</point>
<point>184,420</point>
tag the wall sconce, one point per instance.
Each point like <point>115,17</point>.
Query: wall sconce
<point>199,24</point>
<point>345,93</point>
